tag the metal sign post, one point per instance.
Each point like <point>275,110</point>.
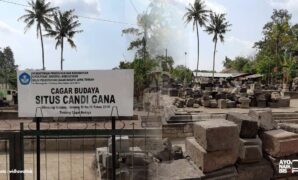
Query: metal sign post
<point>114,147</point>
<point>38,119</point>
<point>114,142</point>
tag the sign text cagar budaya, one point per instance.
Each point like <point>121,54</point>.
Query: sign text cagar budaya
<point>83,95</point>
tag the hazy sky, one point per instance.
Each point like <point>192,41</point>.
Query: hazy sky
<point>102,46</point>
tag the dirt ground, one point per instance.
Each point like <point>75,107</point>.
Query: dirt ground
<point>72,166</point>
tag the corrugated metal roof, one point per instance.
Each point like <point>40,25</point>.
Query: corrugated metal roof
<point>208,74</point>
<point>253,76</point>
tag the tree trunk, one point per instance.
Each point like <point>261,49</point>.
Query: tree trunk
<point>62,53</point>
<point>42,48</point>
<point>145,42</point>
<point>198,48</point>
<point>6,78</point>
<point>215,43</point>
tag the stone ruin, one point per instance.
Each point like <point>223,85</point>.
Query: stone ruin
<point>135,162</point>
<point>250,146</point>
<point>231,97</point>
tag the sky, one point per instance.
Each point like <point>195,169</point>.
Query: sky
<point>101,45</point>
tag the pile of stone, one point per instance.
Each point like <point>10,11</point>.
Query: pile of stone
<point>133,162</point>
<point>251,164</point>
<point>250,143</point>
<point>241,97</point>
<point>188,102</point>
<point>214,146</point>
<point>279,101</point>
<point>280,146</point>
<point>127,158</point>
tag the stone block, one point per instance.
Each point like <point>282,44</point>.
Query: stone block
<point>243,90</point>
<point>99,153</point>
<point>291,127</point>
<point>177,152</point>
<point>248,128</point>
<point>231,104</point>
<point>163,151</point>
<point>222,103</point>
<point>214,135</point>
<point>284,102</point>
<point>206,103</point>
<point>196,105</point>
<point>122,144</point>
<point>263,117</point>
<point>190,102</point>
<point>107,160</point>
<point>255,171</point>
<point>213,103</point>
<point>261,103</point>
<point>173,92</point>
<point>279,142</point>
<point>244,102</point>
<point>275,96</point>
<point>274,104</point>
<point>136,159</point>
<point>209,161</point>
<point>250,150</point>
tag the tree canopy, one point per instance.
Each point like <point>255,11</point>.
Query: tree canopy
<point>7,67</point>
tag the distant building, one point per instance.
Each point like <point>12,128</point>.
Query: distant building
<point>205,77</point>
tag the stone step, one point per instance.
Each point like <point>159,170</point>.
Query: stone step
<point>209,161</point>
<point>287,115</point>
<point>291,127</point>
<point>184,118</point>
<point>295,121</point>
<point>280,142</point>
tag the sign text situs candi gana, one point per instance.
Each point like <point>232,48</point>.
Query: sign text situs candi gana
<point>75,93</point>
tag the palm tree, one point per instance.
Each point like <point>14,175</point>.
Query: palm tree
<point>40,13</point>
<point>65,26</point>
<point>197,14</point>
<point>218,27</point>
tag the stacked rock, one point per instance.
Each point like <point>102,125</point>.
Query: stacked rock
<point>251,164</point>
<point>280,146</point>
<point>214,145</point>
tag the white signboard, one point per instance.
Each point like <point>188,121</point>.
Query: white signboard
<point>75,93</point>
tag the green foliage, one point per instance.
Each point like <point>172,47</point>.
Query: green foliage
<point>240,64</point>
<point>8,67</point>
<point>278,37</point>
<point>66,25</point>
<point>142,70</point>
<point>289,68</point>
<point>227,63</point>
<point>198,15</point>
<point>264,63</point>
<point>39,13</point>
<point>165,62</point>
<point>181,73</point>
<point>217,27</point>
